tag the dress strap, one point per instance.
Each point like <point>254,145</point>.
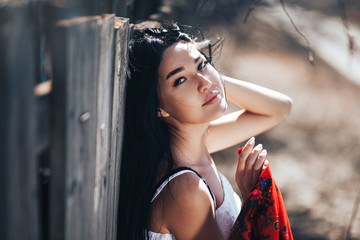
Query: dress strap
<point>173,174</point>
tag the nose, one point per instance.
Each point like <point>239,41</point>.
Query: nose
<point>204,83</point>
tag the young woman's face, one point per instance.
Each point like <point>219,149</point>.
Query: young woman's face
<point>190,89</point>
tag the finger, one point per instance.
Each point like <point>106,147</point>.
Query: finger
<point>258,165</point>
<point>243,155</point>
<point>240,166</point>
<point>266,163</point>
<point>247,148</point>
<point>250,161</point>
<point>260,159</point>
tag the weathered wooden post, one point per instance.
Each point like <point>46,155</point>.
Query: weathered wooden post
<point>87,126</point>
<point>84,130</point>
<point>121,38</point>
<point>19,149</point>
<point>73,140</point>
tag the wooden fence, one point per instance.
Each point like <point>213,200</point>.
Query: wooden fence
<point>61,133</point>
<point>21,139</point>
<point>87,104</point>
<point>69,137</point>
<point>62,79</point>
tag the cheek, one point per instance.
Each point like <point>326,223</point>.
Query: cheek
<point>180,103</point>
<point>184,107</point>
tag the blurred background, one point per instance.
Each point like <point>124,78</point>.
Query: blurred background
<point>315,153</point>
<point>306,49</point>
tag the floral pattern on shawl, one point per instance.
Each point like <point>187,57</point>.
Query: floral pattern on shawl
<point>263,215</point>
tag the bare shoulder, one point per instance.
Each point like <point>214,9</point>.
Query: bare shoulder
<point>188,190</point>
<point>188,210</point>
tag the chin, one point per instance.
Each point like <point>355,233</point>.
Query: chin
<point>220,111</point>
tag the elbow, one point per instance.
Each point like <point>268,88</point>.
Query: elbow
<point>285,108</point>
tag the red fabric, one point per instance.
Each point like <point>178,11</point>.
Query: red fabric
<point>263,215</point>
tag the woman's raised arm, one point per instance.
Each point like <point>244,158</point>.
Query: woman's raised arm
<point>262,109</point>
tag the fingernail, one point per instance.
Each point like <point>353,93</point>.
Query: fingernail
<point>252,140</point>
<point>239,150</point>
<point>266,162</point>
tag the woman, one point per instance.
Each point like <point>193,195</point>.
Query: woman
<point>175,103</point>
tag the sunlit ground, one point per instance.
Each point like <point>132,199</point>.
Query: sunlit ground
<point>315,153</point>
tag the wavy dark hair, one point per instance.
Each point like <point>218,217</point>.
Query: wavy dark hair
<point>146,136</point>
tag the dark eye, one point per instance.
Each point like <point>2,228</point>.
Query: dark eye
<point>179,81</point>
<point>202,65</point>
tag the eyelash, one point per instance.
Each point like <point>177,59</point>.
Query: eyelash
<point>177,81</point>
<point>204,63</point>
<point>180,80</point>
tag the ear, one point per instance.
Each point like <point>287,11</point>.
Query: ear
<point>162,113</point>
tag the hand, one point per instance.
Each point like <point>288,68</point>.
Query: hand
<point>250,165</point>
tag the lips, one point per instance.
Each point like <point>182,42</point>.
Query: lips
<point>211,98</point>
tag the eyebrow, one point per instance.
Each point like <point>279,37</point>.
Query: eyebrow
<point>179,69</point>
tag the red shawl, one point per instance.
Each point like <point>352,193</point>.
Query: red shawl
<point>263,215</point>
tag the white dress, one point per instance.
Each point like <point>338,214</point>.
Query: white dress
<point>226,214</point>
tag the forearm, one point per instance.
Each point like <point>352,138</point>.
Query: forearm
<point>257,99</point>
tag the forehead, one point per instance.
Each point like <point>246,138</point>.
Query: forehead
<point>177,55</point>
<point>180,48</point>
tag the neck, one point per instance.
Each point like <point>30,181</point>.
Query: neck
<point>188,145</point>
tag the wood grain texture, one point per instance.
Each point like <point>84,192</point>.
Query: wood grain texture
<point>121,38</point>
<point>104,117</point>
<point>82,86</point>
<point>18,123</point>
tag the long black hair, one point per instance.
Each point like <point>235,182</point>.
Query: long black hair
<point>146,136</point>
